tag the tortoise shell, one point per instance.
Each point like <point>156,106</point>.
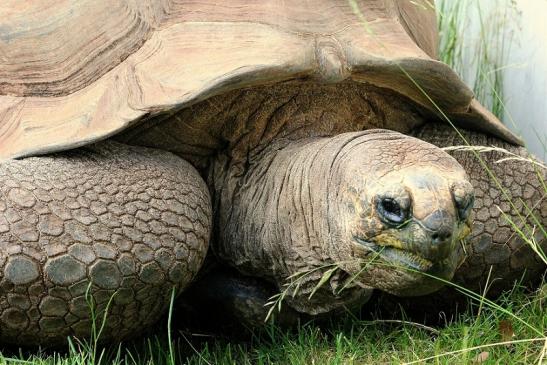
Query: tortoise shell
<point>76,72</point>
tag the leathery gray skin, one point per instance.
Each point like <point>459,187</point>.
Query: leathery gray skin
<point>286,182</point>
<point>404,210</point>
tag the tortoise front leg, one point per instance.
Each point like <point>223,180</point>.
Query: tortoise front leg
<point>109,220</point>
<point>225,297</point>
<point>493,242</point>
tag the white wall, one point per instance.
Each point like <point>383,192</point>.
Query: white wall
<point>525,83</point>
<point>524,68</point>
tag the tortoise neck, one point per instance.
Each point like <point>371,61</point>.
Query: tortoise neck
<point>277,217</point>
<point>240,124</point>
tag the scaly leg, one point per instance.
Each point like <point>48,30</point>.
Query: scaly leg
<point>107,221</point>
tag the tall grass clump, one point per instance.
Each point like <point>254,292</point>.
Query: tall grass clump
<point>475,39</point>
<point>478,52</point>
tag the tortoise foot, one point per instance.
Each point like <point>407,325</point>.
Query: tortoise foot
<point>226,298</point>
<point>106,227</point>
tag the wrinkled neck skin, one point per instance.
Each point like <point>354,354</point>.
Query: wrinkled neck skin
<point>240,124</point>
<point>308,206</point>
<point>287,215</point>
<point>272,221</point>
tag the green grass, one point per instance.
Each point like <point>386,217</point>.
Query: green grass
<point>366,342</point>
<point>492,334</point>
<point>478,50</point>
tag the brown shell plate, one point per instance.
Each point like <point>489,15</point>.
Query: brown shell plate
<point>77,71</point>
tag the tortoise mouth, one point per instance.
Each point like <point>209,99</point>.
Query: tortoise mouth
<point>399,257</point>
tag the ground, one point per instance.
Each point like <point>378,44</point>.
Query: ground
<point>511,330</point>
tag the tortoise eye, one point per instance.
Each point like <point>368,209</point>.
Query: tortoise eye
<point>464,207</point>
<point>390,211</point>
<point>464,199</point>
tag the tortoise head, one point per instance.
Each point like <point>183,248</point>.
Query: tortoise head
<point>404,206</point>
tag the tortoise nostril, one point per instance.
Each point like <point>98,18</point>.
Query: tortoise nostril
<point>441,237</point>
<point>440,225</point>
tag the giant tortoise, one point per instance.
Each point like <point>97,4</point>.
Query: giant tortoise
<point>136,134</point>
